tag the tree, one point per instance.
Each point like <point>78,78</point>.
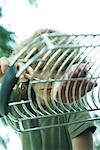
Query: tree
<point>6,40</point>
<point>7,37</point>
<point>32,1</point>
<point>0,12</point>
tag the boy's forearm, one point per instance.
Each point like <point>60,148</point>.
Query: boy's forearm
<point>4,63</point>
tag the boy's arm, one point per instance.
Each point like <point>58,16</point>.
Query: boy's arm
<point>76,88</point>
<point>4,63</point>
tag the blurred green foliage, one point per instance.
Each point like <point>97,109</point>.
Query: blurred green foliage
<point>0,12</point>
<point>6,40</point>
<point>7,37</point>
<point>32,1</point>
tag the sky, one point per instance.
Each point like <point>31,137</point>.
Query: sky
<point>70,16</point>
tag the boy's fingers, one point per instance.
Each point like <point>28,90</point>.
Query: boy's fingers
<point>77,70</point>
<point>19,65</point>
<point>27,74</point>
<point>29,71</point>
<point>4,63</point>
<point>88,85</point>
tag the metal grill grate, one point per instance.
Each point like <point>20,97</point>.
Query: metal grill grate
<point>66,79</point>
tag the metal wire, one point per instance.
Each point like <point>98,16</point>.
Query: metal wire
<point>62,65</point>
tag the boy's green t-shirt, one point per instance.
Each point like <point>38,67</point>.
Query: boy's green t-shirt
<point>54,138</point>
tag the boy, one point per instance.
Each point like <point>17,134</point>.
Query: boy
<point>57,137</point>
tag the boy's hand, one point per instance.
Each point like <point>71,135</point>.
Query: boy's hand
<point>74,89</point>
<point>26,75</point>
<point>4,63</point>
